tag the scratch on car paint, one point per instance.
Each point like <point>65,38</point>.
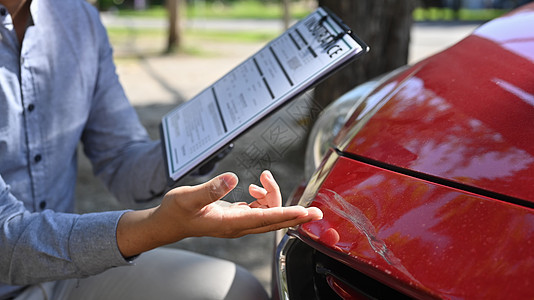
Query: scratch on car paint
<point>351,213</point>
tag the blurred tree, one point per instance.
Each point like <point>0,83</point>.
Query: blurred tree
<point>286,13</point>
<point>174,30</point>
<point>385,26</point>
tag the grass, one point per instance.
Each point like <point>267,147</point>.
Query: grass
<point>443,14</point>
<point>156,12</point>
<point>116,33</point>
<point>245,10</point>
<point>127,41</point>
<point>235,36</point>
<point>254,9</point>
<point>248,9</point>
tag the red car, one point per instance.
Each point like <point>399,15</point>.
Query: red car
<point>426,180</point>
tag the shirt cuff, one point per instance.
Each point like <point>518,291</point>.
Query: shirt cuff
<point>93,242</point>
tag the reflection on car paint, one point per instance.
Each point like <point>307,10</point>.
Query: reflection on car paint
<point>504,31</point>
<point>518,92</point>
<point>445,125</point>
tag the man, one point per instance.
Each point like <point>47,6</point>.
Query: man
<point>59,87</point>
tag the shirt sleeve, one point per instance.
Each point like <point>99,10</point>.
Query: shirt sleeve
<point>123,156</point>
<point>37,247</point>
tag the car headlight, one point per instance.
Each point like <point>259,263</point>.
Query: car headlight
<point>329,123</point>
<point>332,119</point>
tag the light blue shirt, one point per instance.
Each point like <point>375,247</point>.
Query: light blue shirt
<point>59,89</point>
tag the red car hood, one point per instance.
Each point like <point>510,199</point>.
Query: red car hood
<point>464,116</point>
<point>432,189</point>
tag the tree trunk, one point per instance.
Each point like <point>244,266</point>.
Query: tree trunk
<point>174,30</point>
<point>385,26</point>
<point>286,13</point>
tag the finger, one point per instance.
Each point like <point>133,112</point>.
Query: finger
<point>257,204</point>
<point>273,197</point>
<point>266,217</point>
<point>261,217</point>
<point>313,215</point>
<point>203,194</point>
<point>223,203</point>
<point>256,191</point>
<point>268,182</point>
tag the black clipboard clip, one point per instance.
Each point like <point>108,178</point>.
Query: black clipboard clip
<point>340,35</point>
<point>345,29</point>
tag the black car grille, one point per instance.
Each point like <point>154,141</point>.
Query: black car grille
<point>309,270</point>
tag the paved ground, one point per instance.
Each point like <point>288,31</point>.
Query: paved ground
<point>156,84</point>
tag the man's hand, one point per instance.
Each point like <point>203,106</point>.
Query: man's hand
<point>197,211</point>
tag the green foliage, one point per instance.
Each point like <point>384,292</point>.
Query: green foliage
<point>105,4</point>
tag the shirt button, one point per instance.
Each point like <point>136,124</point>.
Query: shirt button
<point>31,107</point>
<point>42,204</point>
<point>37,158</point>
<point>3,11</point>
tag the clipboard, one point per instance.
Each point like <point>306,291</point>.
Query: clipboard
<point>202,128</point>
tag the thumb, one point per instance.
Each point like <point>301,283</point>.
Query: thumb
<point>203,194</point>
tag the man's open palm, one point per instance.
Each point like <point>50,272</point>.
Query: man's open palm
<point>198,211</point>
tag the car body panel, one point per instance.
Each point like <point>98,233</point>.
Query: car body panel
<point>465,114</point>
<point>429,186</point>
<point>421,236</point>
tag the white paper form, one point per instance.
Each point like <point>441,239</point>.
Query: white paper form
<point>283,69</point>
